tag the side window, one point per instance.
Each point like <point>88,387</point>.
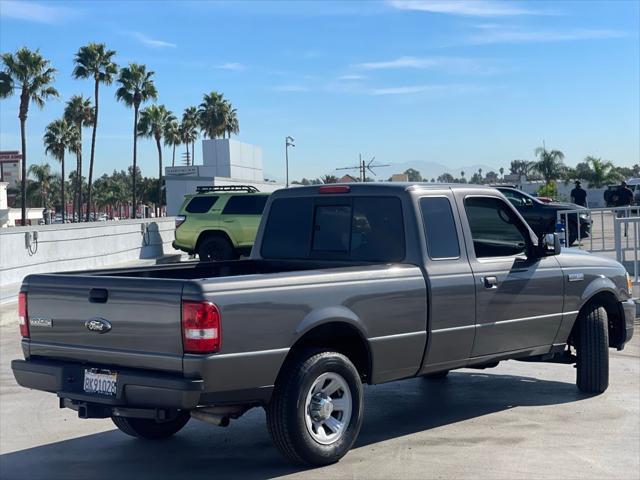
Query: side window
<point>377,231</point>
<point>439,228</point>
<point>201,204</point>
<point>495,229</point>
<point>245,205</point>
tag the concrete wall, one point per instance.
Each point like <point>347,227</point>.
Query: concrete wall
<point>80,246</point>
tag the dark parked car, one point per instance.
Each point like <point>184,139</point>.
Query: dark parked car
<point>542,216</point>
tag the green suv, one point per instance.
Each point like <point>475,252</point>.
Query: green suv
<point>219,223</point>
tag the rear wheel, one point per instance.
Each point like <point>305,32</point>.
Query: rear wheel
<point>315,414</point>
<point>150,428</point>
<point>216,248</point>
<point>592,346</point>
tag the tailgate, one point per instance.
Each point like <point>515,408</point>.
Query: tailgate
<point>130,322</point>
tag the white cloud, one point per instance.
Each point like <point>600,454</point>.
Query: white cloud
<point>351,77</point>
<point>235,66</point>
<point>490,33</point>
<point>151,42</point>
<point>476,8</point>
<point>35,12</point>
<point>451,64</point>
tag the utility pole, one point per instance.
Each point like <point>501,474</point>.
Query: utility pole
<point>288,142</point>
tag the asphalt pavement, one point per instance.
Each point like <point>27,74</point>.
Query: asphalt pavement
<point>519,420</point>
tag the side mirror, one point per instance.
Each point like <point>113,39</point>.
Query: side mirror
<point>550,244</point>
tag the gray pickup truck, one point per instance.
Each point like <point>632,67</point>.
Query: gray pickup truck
<point>346,285</point>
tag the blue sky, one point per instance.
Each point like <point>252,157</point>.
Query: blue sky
<point>457,83</point>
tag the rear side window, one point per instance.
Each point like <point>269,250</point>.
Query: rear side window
<point>439,228</point>
<point>201,204</point>
<point>245,205</point>
<point>366,229</point>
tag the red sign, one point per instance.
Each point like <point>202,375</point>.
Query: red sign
<point>10,156</point>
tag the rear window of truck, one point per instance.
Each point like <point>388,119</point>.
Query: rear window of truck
<point>366,229</point>
<point>201,204</point>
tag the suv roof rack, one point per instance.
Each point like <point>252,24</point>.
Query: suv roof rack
<point>226,188</point>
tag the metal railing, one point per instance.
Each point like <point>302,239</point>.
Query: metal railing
<point>631,227</point>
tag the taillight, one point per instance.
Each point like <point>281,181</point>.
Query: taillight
<point>200,327</point>
<point>23,315</point>
<point>180,220</point>
<point>334,189</point>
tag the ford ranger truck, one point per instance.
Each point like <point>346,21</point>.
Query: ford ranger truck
<point>346,285</point>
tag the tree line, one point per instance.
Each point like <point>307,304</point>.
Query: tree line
<point>29,75</point>
<point>549,167</point>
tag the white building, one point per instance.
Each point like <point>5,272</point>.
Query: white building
<point>224,162</point>
<point>9,216</point>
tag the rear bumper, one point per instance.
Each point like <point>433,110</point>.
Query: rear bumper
<point>135,388</point>
<point>177,246</point>
<point>629,308</point>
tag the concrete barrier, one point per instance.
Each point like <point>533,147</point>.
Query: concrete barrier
<point>80,246</point>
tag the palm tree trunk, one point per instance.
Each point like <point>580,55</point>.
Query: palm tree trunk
<point>193,153</point>
<point>79,184</point>
<point>173,159</point>
<point>93,148</point>
<point>188,159</point>
<point>23,186</point>
<point>159,204</point>
<point>135,160</point>
<point>62,189</point>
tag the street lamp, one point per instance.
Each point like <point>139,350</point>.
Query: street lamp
<point>288,142</point>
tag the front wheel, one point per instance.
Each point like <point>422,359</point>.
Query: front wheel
<point>315,414</point>
<point>150,428</point>
<point>592,348</point>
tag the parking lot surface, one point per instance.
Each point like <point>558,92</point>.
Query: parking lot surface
<point>519,420</point>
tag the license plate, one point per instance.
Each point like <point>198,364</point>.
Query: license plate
<point>100,381</point>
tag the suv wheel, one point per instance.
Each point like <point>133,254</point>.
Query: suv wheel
<point>150,428</point>
<point>592,345</point>
<point>216,248</point>
<point>436,376</point>
<point>315,414</point>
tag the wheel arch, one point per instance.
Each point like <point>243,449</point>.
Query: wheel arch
<point>338,334</point>
<point>607,299</point>
<point>217,232</point>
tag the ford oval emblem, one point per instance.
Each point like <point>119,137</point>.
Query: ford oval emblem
<point>98,325</point>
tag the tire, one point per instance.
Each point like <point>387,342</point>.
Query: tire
<point>216,248</point>
<point>592,369</point>
<point>436,376</point>
<point>149,428</point>
<point>289,414</point>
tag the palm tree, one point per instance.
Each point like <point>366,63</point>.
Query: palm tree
<point>94,61</point>
<point>232,126</point>
<point>136,87</point>
<point>172,138</point>
<point>601,172</point>
<point>58,138</point>
<point>550,164</point>
<point>329,179</point>
<point>188,134</point>
<point>80,113</point>
<point>154,121</point>
<point>31,74</point>
<point>191,116</point>
<point>501,170</point>
<point>211,115</point>
<point>42,177</point>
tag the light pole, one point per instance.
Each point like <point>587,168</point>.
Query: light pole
<point>288,142</point>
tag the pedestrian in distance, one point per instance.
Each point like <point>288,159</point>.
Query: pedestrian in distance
<point>623,198</point>
<point>579,195</point>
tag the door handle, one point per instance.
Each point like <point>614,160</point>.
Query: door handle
<point>228,220</point>
<point>490,282</point>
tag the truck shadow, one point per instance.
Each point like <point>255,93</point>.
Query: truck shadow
<point>244,450</point>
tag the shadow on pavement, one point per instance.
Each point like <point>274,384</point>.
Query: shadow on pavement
<point>244,450</point>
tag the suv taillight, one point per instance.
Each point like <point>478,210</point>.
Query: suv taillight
<point>23,315</point>
<point>200,327</point>
<point>180,220</point>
